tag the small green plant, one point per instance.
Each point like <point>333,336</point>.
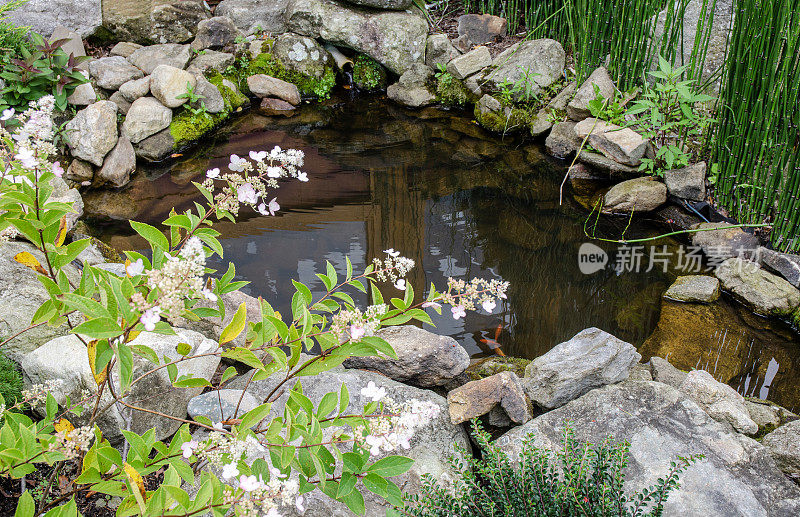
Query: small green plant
<point>12,38</point>
<point>578,480</point>
<point>368,74</point>
<point>190,94</point>
<point>611,110</point>
<point>670,113</point>
<point>10,382</point>
<point>449,90</point>
<point>43,70</point>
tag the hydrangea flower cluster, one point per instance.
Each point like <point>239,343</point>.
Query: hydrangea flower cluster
<point>179,278</point>
<point>36,395</point>
<point>466,296</point>
<point>354,324</point>
<point>73,442</point>
<point>33,141</point>
<point>249,181</point>
<point>393,268</point>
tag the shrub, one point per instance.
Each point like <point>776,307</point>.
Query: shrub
<point>578,480</point>
<point>10,381</point>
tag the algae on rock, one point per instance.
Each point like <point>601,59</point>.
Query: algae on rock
<point>268,64</point>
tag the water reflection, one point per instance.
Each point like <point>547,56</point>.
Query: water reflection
<point>460,202</point>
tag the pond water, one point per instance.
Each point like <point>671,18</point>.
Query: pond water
<point>462,203</point>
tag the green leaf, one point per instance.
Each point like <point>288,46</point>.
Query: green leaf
<point>99,328</point>
<point>25,506</point>
<point>152,235</point>
<point>243,355</point>
<point>236,326</point>
<point>391,466</point>
<point>355,501</point>
<point>254,416</point>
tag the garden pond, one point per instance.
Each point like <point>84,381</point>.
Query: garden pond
<point>462,203</point>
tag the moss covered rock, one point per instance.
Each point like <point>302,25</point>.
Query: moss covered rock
<point>451,91</point>
<point>368,74</point>
<point>506,120</point>
<point>309,85</point>
<point>493,365</point>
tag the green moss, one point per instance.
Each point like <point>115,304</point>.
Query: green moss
<point>187,127</point>
<point>10,381</point>
<point>493,365</point>
<point>450,91</point>
<point>309,86</point>
<point>517,120</point>
<point>368,74</point>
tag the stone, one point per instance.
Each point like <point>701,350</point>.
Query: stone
<point>62,193</point>
<point>118,166</point>
<point>496,364</point>
<point>562,142</point>
<point>168,84</point>
<point>44,16</point>
<point>222,405</point>
<point>135,89</point>
<point>694,288</point>
<point>560,101</point>
<point>79,171</point>
<point>636,195</point>
<point>766,415</point>
<point>146,117</point>
<point>720,401</point>
<point>473,84</point>
<point>123,104</point>
<point>623,145</point>
<point>719,34</point>
<point>215,33</point>
<point>599,161</point>
<point>210,96</point>
<point>395,39</point>
<point>785,264</point>
<point>784,445</point>
<point>470,63</point>
<point>578,107</point>
<point>73,44</point>
<point>412,88</point>
<point>156,147</point>
<point>763,292</point>
<point>688,182</point>
<point>303,55</point>
<point>501,396</point>
<point>83,95</point>
<point>148,58</point>
<point>22,295</point>
<point>250,15</point>
<point>124,48</point>
<point>274,107</point>
<point>430,446</point>
<point>175,22</point>
<point>721,241</point>
<point>538,62</point>
<point>481,28</point>
<point>592,358</point>
<point>488,104</point>
<point>383,4</point>
<point>640,372</point>
<point>211,60</point>
<point>424,359</point>
<point>65,359</point>
<point>439,51</point>
<point>663,371</point>
<point>112,72</point>
<point>738,476</point>
<point>265,86</point>
<point>93,132</point>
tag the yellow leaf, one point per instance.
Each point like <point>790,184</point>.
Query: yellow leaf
<point>91,349</point>
<point>62,231</point>
<point>65,426</point>
<point>236,326</point>
<point>27,259</point>
<point>137,485</point>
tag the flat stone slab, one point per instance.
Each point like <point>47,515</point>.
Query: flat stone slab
<point>694,288</point>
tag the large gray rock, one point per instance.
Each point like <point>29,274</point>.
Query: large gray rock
<point>430,446</point>
<point>93,132</point>
<point>22,295</point>
<point>123,104</point>
<point>591,359</point>
<point>65,359</point>
<point>694,288</point>
<point>168,84</point>
<point>784,445</point>
<point>302,54</point>
<point>481,28</point>
<point>764,292</point>
<point>636,195</point>
<point>124,48</point>
<point>215,33</point>
<point>395,39</point>
<point>578,107</point>
<point>562,142</point>
<point>720,401</point>
<point>222,405</point>
<point>118,166</point>
<point>785,264</point>
<point>146,117</point>
<point>501,396</point>
<point>412,88</point>
<point>439,50</point>
<point>616,170</point>
<point>721,241</point>
<point>470,63</point>
<point>210,96</point>
<point>621,144</point>
<point>83,95</point>
<point>79,171</point>
<point>663,371</point>
<point>249,15</point>
<point>424,359</point>
<point>541,60</point>
<point>266,86</point>
<point>155,22</point>
<point>156,147</point>
<point>737,477</point>
<point>44,16</point>
<point>688,182</point>
<point>113,71</point>
<point>148,58</point>
<point>211,60</point>
<point>135,89</point>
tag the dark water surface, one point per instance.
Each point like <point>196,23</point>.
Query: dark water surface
<point>461,203</point>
